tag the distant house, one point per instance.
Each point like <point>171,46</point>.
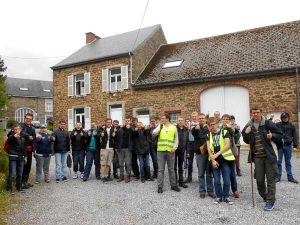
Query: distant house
<point>229,73</point>
<point>29,96</point>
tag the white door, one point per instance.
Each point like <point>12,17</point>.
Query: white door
<point>116,113</point>
<point>233,100</point>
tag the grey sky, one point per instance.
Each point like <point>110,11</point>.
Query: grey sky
<point>41,29</point>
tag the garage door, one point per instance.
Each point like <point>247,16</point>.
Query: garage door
<point>233,100</point>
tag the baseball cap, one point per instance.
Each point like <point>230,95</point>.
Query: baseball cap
<point>43,126</point>
<point>284,115</point>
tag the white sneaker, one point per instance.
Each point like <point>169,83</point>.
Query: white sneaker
<point>75,176</point>
<point>81,175</point>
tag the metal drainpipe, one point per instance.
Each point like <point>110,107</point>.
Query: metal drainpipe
<point>130,55</point>
<point>298,103</point>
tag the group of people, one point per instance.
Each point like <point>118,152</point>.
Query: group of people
<point>213,141</point>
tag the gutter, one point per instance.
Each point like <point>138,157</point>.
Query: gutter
<point>216,78</point>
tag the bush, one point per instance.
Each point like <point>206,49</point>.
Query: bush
<point>11,123</point>
<point>3,155</point>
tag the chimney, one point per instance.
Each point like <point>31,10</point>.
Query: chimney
<point>90,37</point>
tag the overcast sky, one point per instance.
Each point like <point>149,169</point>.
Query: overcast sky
<point>32,31</point>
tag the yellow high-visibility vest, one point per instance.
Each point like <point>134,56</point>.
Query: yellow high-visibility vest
<point>166,139</point>
<point>228,155</point>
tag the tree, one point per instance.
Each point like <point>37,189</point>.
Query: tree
<point>3,96</point>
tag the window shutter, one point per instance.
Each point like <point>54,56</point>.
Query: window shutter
<point>87,118</point>
<point>87,84</point>
<point>105,80</point>
<point>70,120</point>
<point>124,76</point>
<point>70,85</point>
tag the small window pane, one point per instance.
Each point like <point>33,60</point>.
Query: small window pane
<point>115,71</point>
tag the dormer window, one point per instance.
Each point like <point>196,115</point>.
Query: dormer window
<point>24,89</point>
<point>46,90</point>
<point>172,64</point>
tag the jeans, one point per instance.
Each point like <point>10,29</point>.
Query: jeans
<point>162,158</point>
<point>285,151</point>
<point>27,168</point>
<point>42,164</point>
<point>78,158</point>
<point>153,154</point>
<point>179,158</point>
<point>191,158</point>
<point>124,155</point>
<point>233,180</point>
<point>144,165</point>
<point>203,169</point>
<point>264,168</point>
<point>15,167</point>
<point>224,169</point>
<point>61,165</point>
<point>90,157</point>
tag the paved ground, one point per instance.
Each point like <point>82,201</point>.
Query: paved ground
<point>93,202</point>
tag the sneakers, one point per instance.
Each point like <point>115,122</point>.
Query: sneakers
<point>75,176</point>
<point>183,185</point>
<point>65,179</point>
<point>47,181</point>
<point>212,194</point>
<point>293,181</point>
<point>217,201</point>
<point>81,175</point>
<point>175,188</point>
<point>202,195</point>
<point>228,201</point>
<point>57,180</point>
<point>159,190</point>
<point>188,180</point>
<point>236,194</point>
<point>269,207</point>
<point>37,182</point>
<point>84,178</point>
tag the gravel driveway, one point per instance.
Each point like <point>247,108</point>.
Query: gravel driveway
<point>93,202</point>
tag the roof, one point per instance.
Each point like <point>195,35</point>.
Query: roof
<point>35,87</point>
<point>108,47</point>
<point>261,50</point>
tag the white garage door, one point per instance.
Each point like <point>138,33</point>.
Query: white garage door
<point>233,100</point>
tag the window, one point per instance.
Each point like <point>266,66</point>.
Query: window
<point>172,64</point>
<point>143,116</point>
<point>79,114</point>
<point>79,85</point>
<point>48,105</point>
<point>20,114</point>
<point>174,116</point>
<point>116,113</point>
<point>115,79</point>
<point>23,89</point>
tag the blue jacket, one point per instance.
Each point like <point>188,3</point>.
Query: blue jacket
<point>42,144</point>
<point>62,141</point>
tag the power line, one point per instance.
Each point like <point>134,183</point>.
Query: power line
<point>30,58</point>
<point>140,25</point>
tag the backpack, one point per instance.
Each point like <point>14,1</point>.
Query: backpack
<point>6,146</point>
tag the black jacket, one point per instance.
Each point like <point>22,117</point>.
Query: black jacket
<point>62,141</point>
<point>141,141</point>
<point>78,140</point>
<point>104,138</point>
<point>264,127</point>
<point>200,136</point>
<point>16,146</point>
<point>27,131</point>
<point>183,139</point>
<point>121,138</point>
<point>289,133</point>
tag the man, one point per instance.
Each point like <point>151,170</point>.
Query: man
<point>289,138</point>
<point>259,132</point>
<point>221,156</point>
<point>153,146</point>
<point>28,132</point>
<point>183,144</point>
<point>61,140</point>
<point>124,150</point>
<point>200,133</point>
<point>77,137</point>
<point>107,142</point>
<point>191,149</point>
<point>166,147</point>
<point>217,118</point>
<point>236,136</point>
<point>134,164</point>
<point>92,152</point>
<point>116,158</point>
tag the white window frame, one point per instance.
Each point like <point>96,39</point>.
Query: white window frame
<point>48,105</point>
<point>174,116</point>
<point>84,85</point>
<point>21,112</point>
<point>86,115</point>
<point>111,87</point>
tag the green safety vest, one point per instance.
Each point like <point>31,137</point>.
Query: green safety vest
<point>228,155</point>
<point>166,139</point>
